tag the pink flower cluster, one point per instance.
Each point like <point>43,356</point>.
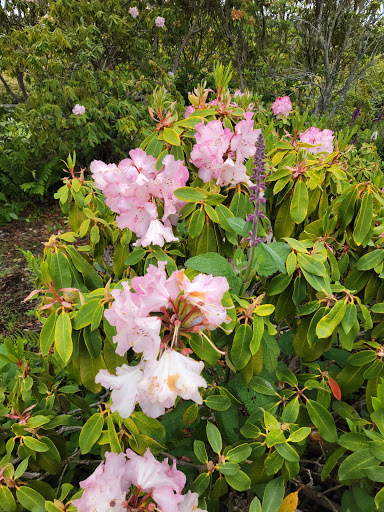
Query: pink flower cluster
<point>282,107</point>
<point>138,314</point>
<point>78,110</point>
<point>323,139</point>
<point>219,153</point>
<point>134,187</point>
<point>158,486</point>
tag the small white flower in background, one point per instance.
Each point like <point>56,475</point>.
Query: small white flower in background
<point>78,110</point>
<point>134,12</point>
<point>160,21</point>
<point>189,503</point>
<point>374,136</point>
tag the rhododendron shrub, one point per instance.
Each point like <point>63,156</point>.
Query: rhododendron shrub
<point>211,325</point>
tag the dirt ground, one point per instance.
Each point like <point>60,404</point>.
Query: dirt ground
<point>34,227</point>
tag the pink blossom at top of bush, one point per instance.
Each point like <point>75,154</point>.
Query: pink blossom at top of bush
<point>323,139</point>
<point>108,488</point>
<point>78,110</point>
<point>108,482</point>
<point>282,107</point>
<point>219,153</point>
<point>134,12</point>
<point>130,188</point>
<point>160,21</point>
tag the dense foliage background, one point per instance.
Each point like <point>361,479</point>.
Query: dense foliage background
<point>326,55</point>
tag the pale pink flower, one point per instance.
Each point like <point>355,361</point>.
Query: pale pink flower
<point>173,175</point>
<point>172,376</point>
<point>206,292</point>
<point>98,170</point>
<point>157,234</point>
<point>134,328</point>
<point>156,478</point>
<point>171,74</point>
<point>134,12</point>
<point>135,214</point>
<point>160,21</point>
<point>190,502</point>
<point>231,173</point>
<point>154,290</point>
<point>282,107</point>
<point>78,110</point>
<point>244,140</point>
<point>107,483</point>
<point>189,111</point>
<point>124,387</point>
<point>322,139</point>
<point>212,142</point>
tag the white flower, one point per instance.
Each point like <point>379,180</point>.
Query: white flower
<point>189,503</point>
<point>134,12</point>
<point>124,387</point>
<point>172,376</point>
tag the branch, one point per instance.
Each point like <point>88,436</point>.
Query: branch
<point>191,32</point>
<point>10,92</point>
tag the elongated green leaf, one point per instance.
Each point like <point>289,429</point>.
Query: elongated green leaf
<point>200,451</point>
<point>371,259</point>
<point>30,499</point>
<point>311,265</point>
<point>7,501</point>
<point>240,352</point>
<point>85,315</point>
<point>273,495</point>
<point>201,483</point>
<point>47,334</point>
<point>171,136</point>
<point>189,195</point>
<point>35,444</point>
<point>196,223</point>
<point>364,218</point>
<point>63,337</point>
<point>214,437</point>
<point>218,402</point>
<point>329,322</point>
<point>90,432</point>
<point>239,481</point>
<point>287,452</point>
<point>299,203</point>
<point>352,467</point>
<point>322,419</point>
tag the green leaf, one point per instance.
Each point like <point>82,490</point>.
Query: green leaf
<point>347,208</point>
<point>322,419</point>
<point>353,441</point>
<point>239,453</point>
<point>299,203</point>
<point>299,435</point>
<point>349,319</point>
<point>261,385</point>
<point>51,507</point>
<point>90,432</point>
<point>364,218</point>
<point>189,195</point>
<point>93,341</point>
<point>361,358</point>
<point>331,462</point>
<point>63,337</point>
<point>201,483</point>
<point>112,436</point>
<point>200,451</point>
<point>378,418</point>
<point>21,468</point>
<point>273,495</point>
<point>218,402</point>
<point>311,265</point>
<point>61,271</point>
<point>257,333</point>
<point>291,411</point>
<point>190,414</point>
<point>278,284</point>
<point>91,277</point>
<point>239,481</point>
<point>240,351</point>
<point>228,468</point>
<point>214,437</point>
<point>30,499</point>
<point>87,313</point>
<point>329,322</point>
<point>370,260</point>
<point>255,505</point>
<point>352,467</point>
<point>135,256</point>
<point>374,473</point>
<point>217,265</point>
<point>47,334</point>
<point>287,452</point>
<point>196,223</point>
<point>171,136</point>
<point>7,501</point>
